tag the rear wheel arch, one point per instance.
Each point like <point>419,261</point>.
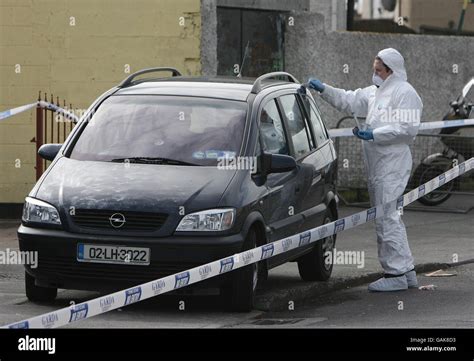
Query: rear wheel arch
<point>314,266</point>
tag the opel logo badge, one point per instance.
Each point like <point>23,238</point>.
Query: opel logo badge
<point>117,220</point>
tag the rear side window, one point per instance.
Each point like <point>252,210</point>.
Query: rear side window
<point>315,119</point>
<point>298,130</point>
<point>272,132</point>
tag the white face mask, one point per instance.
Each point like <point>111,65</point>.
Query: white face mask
<point>377,80</point>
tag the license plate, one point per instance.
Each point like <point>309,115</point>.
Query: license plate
<point>113,254</point>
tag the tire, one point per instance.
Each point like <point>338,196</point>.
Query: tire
<point>37,293</point>
<point>240,294</point>
<point>423,174</point>
<point>313,266</point>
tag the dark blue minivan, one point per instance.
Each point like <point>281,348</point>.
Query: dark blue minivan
<point>165,174</point>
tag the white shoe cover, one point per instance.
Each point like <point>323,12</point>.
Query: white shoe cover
<point>389,284</point>
<point>411,279</point>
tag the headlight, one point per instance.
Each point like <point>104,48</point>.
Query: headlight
<point>36,211</point>
<point>210,220</point>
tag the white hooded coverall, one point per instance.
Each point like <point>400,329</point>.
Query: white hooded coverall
<point>393,111</point>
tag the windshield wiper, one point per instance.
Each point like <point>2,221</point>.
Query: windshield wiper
<point>151,160</point>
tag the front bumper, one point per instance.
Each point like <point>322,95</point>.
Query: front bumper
<point>58,266</point>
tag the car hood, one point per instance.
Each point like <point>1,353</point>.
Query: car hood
<point>133,187</point>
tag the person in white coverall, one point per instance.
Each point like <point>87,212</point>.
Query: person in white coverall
<point>392,109</point>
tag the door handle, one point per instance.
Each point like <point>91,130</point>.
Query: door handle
<point>317,176</point>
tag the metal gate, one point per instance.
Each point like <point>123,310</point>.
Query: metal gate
<point>51,127</point>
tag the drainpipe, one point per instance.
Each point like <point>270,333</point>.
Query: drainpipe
<point>461,19</point>
<point>350,15</point>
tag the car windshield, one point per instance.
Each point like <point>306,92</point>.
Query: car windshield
<point>163,130</point>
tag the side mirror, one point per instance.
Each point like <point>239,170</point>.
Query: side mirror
<point>49,151</point>
<point>276,163</point>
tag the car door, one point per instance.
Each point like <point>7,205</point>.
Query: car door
<point>311,155</point>
<point>277,205</point>
<point>301,143</point>
<point>325,145</point>
<point>323,161</point>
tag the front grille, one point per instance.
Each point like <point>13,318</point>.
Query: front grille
<point>67,267</point>
<point>134,221</point>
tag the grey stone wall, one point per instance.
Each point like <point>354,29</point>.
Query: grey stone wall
<point>333,11</point>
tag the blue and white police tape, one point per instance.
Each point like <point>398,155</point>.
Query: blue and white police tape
<point>150,289</point>
<point>333,133</point>
<point>10,112</point>
<point>43,104</point>
<point>347,132</point>
<point>58,109</point>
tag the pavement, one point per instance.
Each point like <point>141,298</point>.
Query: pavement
<point>438,240</point>
<point>449,306</point>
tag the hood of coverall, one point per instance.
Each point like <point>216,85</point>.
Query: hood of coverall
<point>394,60</point>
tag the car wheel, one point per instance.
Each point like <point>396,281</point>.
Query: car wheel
<point>240,295</point>
<point>38,293</point>
<point>315,265</point>
<point>426,173</point>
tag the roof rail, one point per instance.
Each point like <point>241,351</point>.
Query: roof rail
<point>128,81</point>
<point>257,85</point>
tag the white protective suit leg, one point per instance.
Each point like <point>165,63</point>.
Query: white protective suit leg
<point>392,243</point>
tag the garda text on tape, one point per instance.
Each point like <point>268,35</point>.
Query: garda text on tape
<point>150,289</point>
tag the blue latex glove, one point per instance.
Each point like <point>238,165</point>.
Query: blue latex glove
<point>316,84</point>
<point>367,134</point>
